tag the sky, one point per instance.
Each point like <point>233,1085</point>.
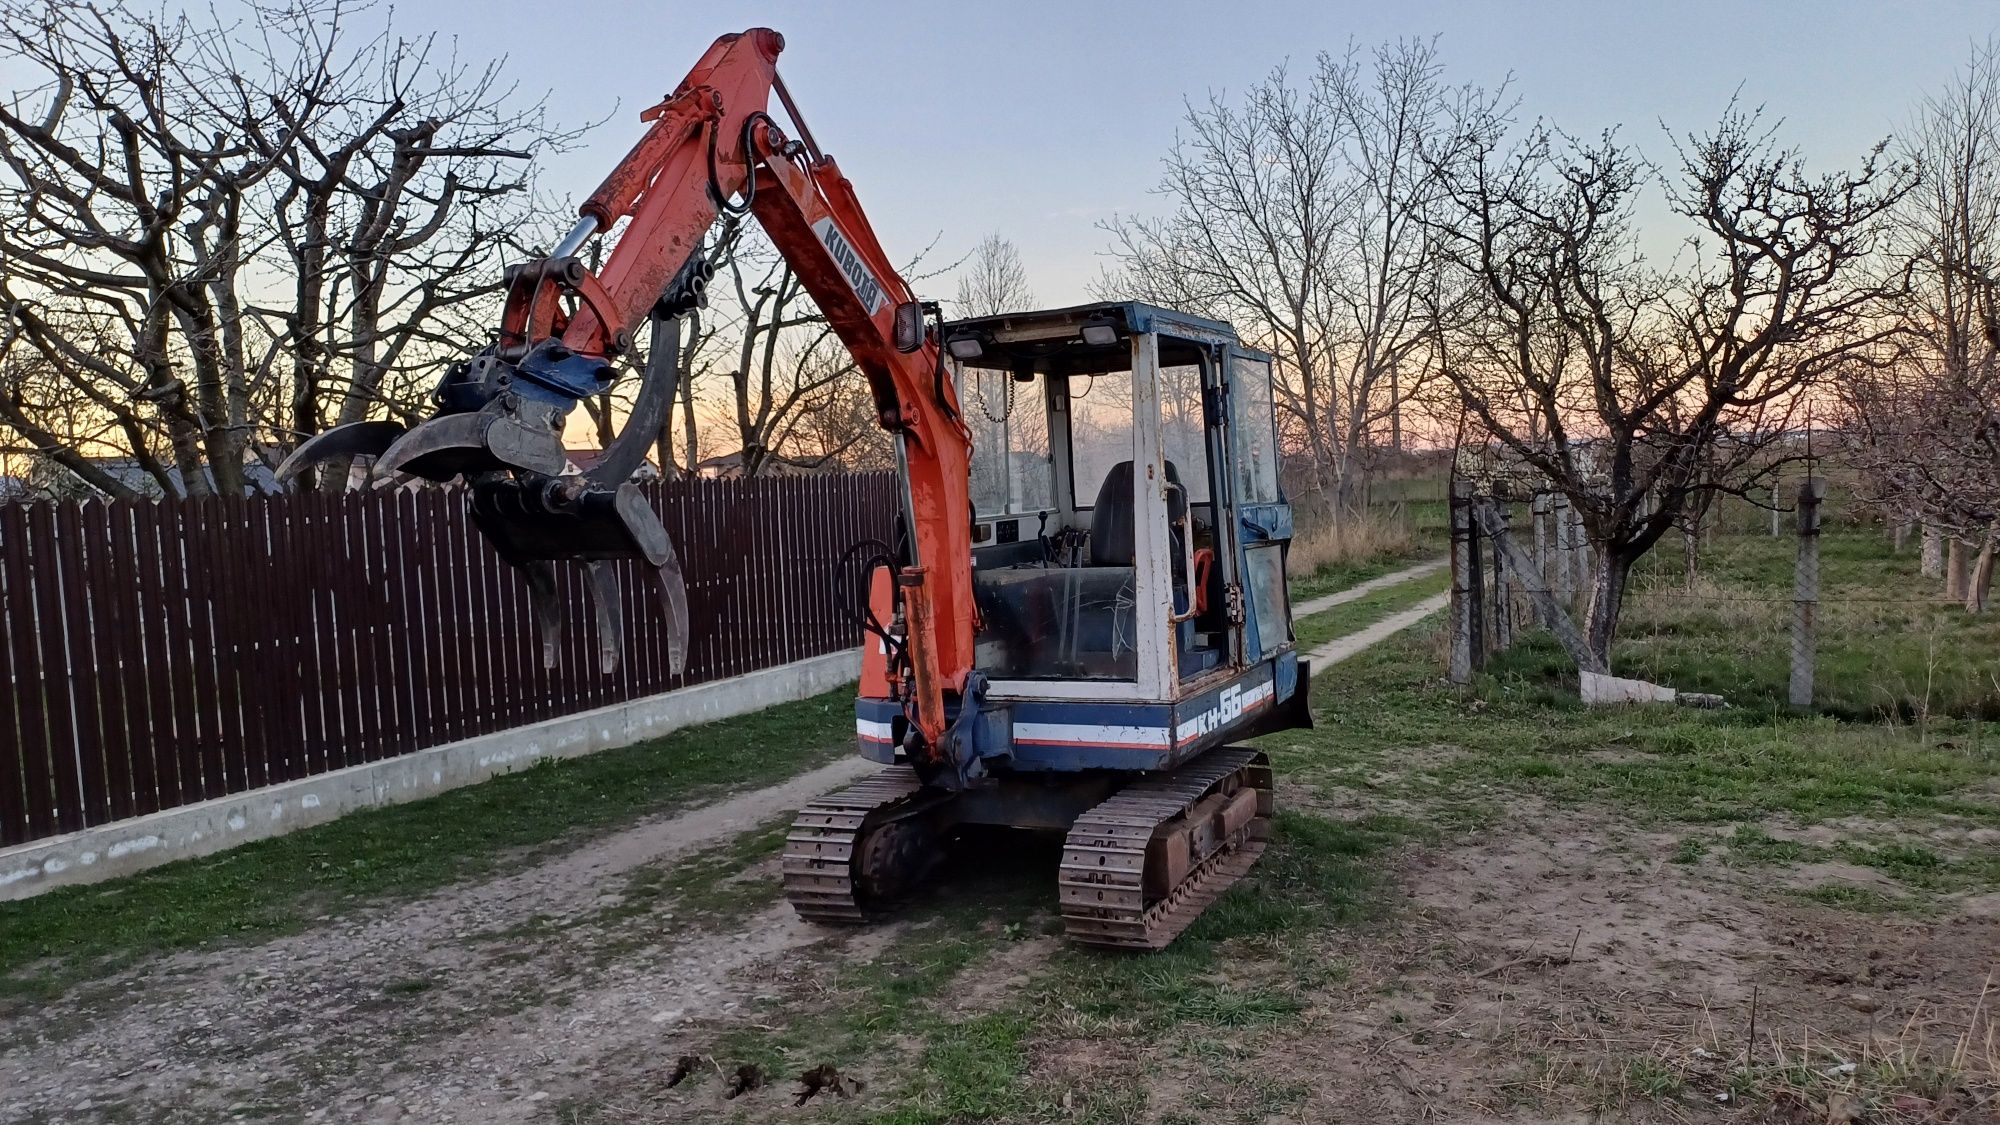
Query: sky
<point>1040,120</point>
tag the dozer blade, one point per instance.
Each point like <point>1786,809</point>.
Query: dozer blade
<point>355,439</point>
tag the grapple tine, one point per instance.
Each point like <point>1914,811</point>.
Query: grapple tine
<point>548,609</point>
<point>674,603</point>
<point>354,439</point>
<point>609,603</point>
<point>439,448</point>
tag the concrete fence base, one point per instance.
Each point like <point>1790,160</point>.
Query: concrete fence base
<point>126,846</point>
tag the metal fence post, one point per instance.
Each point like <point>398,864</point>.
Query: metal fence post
<point>1461,578</point>
<point>1805,593</point>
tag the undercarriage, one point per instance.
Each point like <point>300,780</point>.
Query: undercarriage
<point>1143,855</point>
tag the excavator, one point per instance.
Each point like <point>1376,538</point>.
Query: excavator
<point>1083,609</point>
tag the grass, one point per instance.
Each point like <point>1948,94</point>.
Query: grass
<point>1890,647</point>
<point>1244,968</point>
<point>1899,1074</point>
<point>1324,559</point>
<point>1389,726</point>
<point>711,888</point>
<point>277,886</point>
<point>1349,617</point>
<point>1519,725</point>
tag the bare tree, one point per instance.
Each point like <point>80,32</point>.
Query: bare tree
<point>993,281</point>
<point>1297,213</point>
<point>122,225</point>
<point>1924,422</point>
<point>168,177</point>
<point>1637,390</point>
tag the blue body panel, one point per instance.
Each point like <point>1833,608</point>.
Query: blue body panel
<point>1061,736</point>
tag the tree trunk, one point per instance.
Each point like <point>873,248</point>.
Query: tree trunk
<point>365,366</point>
<point>1607,601</point>
<point>1932,551</point>
<point>1349,493</point>
<point>1956,568</point>
<point>1980,581</point>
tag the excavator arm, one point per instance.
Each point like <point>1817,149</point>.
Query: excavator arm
<point>712,149</point>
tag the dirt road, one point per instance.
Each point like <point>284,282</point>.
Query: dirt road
<point>490,1001</point>
<point>1550,964</point>
<point>474,1004</point>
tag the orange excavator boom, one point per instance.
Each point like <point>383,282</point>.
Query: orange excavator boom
<point>712,150</point>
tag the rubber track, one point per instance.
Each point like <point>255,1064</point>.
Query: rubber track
<point>819,850</point>
<point>1104,857</point>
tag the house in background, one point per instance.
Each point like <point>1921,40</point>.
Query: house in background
<point>729,466</point>
<point>48,479</point>
<point>584,460</point>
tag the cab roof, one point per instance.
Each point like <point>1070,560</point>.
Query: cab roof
<point>1051,340</point>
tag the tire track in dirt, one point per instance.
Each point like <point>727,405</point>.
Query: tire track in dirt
<point>456,1004</point>
<point>1362,589</point>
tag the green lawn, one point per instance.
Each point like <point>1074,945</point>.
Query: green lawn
<point>281,885</point>
<point>1890,646</point>
<point>1316,629</point>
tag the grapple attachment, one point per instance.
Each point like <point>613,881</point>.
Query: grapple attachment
<point>534,521</point>
<point>499,426</point>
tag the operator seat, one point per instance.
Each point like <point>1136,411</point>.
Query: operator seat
<point>1112,544</point>
<point>1111,517</point>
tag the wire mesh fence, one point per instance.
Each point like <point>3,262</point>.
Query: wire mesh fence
<point>1843,614</point>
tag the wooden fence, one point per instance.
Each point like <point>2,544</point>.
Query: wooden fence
<point>161,654</point>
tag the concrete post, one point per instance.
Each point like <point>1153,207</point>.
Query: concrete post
<point>1805,593</point>
<point>1554,616</point>
<point>1503,593</point>
<point>1539,511</point>
<point>1957,568</point>
<point>1461,578</point>
<point>1584,556</point>
<point>1775,514</point>
<point>1481,636</point>
<point>1932,551</point>
<point>1565,550</point>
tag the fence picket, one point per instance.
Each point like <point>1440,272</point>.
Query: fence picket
<point>18,713</point>
<point>158,654</point>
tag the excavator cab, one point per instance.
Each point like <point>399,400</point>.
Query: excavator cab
<point>1129,535</point>
<point>1129,531</point>
<point>1128,551</point>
